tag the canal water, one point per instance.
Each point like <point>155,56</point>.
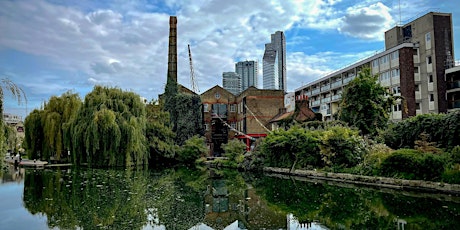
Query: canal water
<point>182,198</point>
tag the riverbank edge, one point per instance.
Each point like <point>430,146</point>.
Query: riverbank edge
<point>385,182</point>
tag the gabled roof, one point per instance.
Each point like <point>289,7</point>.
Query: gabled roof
<point>219,88</point>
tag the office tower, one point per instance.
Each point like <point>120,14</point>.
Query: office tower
<point>231,81</point>
<point>274,63</point>
<point>248,70</point>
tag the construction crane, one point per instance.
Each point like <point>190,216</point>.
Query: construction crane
<point>192,73</point>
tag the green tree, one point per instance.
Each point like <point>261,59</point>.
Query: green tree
<point>34,137</point>
<point>160,136</point>
<point>234,149</point>
<point>192,149</point>
<point>365,103</point>
<point>109,129</point>
<point>45,129</point>
<point>290,148</point>
<point>18,93</point>
<point>342,147</point>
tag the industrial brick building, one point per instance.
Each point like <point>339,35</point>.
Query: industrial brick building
<point>413,65</point>
<point>244,116</point>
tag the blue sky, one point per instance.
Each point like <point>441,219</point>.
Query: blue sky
<point>51,47</point>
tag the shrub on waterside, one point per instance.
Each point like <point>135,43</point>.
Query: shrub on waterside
<point>413,164</point>
<point>342,146</point>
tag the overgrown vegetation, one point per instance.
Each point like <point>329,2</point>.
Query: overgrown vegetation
<point>6,85</point>
<point>112,127</point>
<point>365,103</point>
<point>442,129</point>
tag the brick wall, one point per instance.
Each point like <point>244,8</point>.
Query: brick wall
<point>407,82</point>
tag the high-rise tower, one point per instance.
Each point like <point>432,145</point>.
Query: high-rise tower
<point>274,62</point>
<point>248,70</point>
<point>172,49</point>
<point>231,81</point>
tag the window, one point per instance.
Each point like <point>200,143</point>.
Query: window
<point>417,88</point>
<point>375,63</point>
<point>428,37</point>
<point>431,97</point>
<point>395,73</point>
<point>232,108</point>
<point>428,60</point>
<point>206,127</point>
<point>417,106</point>
<point>205,108</point>
<point>430,78</point>
<point>396,89</point>
<point>233,125</point>
<point>397,107</point>
<point>384,59</point>
<point>385,76</point>
<point>415,52</point>
<point>415,69</point>
<point>394,55</point>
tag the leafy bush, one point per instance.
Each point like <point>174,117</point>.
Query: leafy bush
<point>234,150</point>
<point>455,155</point>
<point>444,129</point>
<point>322,124</point>
<point>451,176</point>
<point>413,164</point>
<point>342,146</point>
<point>372,161</point>
<point>192,149</point>
<point>288,148</point>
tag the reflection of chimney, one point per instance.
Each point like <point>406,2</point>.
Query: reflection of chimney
<point>172,51</point>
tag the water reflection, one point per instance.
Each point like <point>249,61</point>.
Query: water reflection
<point>209,199</point>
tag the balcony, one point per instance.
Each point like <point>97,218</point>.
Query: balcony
<point>417,77</point>
<point>453,85</point>
<point>325,87</point>
<point>454,104</point>
<point>431,105</point>
<point>346,80</point>
<point>315,103</point>
<point>336,97</point>
<point>430,86</point>
<point>336,84</point>
<point>326,99</point>
<point>315,91</point>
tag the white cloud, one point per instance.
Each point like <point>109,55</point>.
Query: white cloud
<point>368,22</point>
<point>125,43</point>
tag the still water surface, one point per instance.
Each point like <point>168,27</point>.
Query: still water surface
<point>183,198</point>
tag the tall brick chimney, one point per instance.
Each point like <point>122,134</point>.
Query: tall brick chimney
<point>172,50</point>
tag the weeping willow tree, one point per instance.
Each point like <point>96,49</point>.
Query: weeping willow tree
<point>33,140</point>
<point>18,94</point>
<point>109,129</point>
<point>45,128</point>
